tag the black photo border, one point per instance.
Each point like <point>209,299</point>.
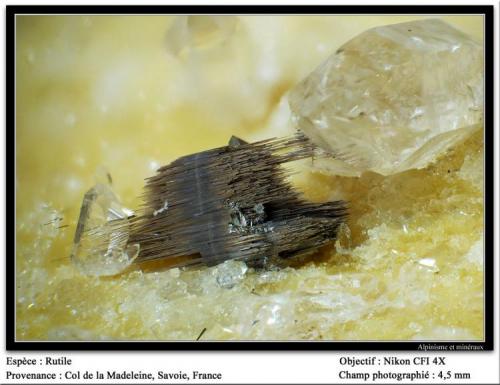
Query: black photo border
<point>486,10</point>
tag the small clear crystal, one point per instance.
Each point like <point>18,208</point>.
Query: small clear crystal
<point>429,264</point>
<point>199,31</point>
<point>231,272</point>
<point>100,245</point>
<point>393,98</point>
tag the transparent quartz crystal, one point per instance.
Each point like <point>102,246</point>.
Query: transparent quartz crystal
<point>100,246</point>
<point>231,272</point>
<point>393,98</point>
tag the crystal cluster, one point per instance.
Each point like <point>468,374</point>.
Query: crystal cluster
<point>393,98</point>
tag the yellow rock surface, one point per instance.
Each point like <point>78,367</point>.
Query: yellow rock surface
<point>125,95</point>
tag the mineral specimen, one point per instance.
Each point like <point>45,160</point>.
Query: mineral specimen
<point>100,245</point>
<point>369,287</point>
<point>393,98</point>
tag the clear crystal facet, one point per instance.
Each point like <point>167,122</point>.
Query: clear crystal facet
<point>100,245</point>
<point>393,98</point>
<point>229,273</point>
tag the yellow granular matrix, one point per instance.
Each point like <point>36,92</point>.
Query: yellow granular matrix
<point>124,95</point>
